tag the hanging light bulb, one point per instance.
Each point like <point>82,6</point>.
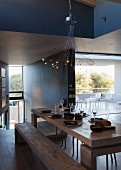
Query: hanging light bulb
<point>70,19</point>
<point>67,61</point>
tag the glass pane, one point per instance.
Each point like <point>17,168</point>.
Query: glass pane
<point>16,112</point>
<point>96,79</point>
<point>2,72</point>
<point>15,78</point>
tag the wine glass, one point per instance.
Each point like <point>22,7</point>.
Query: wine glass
<point>62,103</point>
<point>76,106</point>
<point>55,108</point>
<point>70,106</point>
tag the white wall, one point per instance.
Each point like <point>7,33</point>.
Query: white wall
<point>117,79</point>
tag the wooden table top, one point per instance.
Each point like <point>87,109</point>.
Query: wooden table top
<point>83,132</point>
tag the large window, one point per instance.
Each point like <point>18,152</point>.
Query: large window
<point>15,81</point>
<point>94,79</point>
<point>16,100</point>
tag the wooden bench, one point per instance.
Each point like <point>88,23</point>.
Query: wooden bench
<point>53,157</point>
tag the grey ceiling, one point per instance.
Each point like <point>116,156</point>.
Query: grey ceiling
<point>24,48</point>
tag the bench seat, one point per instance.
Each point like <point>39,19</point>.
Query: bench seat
<point>53,157</point>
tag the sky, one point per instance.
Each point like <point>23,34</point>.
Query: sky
<point>15,70</point>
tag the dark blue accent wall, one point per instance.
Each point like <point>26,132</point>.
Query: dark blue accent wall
<point>112,11</point>
<point>45,17</point>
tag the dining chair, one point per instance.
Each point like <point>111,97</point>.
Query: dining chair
<point>73,148</point>
<point>111,155</point>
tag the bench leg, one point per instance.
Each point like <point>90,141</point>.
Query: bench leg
<point>88,158</point>
<point>65,143</point>
<point>18,137</point>
<point>34,120</point>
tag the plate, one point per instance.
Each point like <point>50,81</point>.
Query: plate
<point>46,111</point>
<point>68,115</point>
<point>72,123</point>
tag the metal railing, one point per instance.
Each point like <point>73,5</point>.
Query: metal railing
<point>94,90</point>
<point>16,95</point>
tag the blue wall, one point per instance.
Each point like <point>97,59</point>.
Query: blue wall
<point>112,11</point>
<point>45,17</point>
<point>44,85</point>
<point>48,17</point>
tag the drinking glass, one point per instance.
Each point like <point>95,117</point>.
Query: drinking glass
<point>70,106</point>
<point>62,103</point>
<point>55,108</point>
<point>94,114</point>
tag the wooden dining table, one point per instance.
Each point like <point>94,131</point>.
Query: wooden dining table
<point>94,143</point>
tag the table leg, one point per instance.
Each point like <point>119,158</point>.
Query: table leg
<point>88,158</point>
<point>34,120</point>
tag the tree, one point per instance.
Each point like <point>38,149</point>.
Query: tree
<point>16,82</point>
<point>83,81</point>
<point>101,81</point>
<point>91,81</point>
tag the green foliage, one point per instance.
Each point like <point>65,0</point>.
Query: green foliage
<point>93,80</point>
<point>82,81</point>
<point>101,81</point>
<point>16,82</point>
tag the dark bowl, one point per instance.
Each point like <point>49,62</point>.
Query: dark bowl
<point>84,114</point>
<point>56,116</point>
<point>95,128</point>
<point>68,109</point>
<point>78,116</point>
<point>46,111</point>
<point>68,116</point>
